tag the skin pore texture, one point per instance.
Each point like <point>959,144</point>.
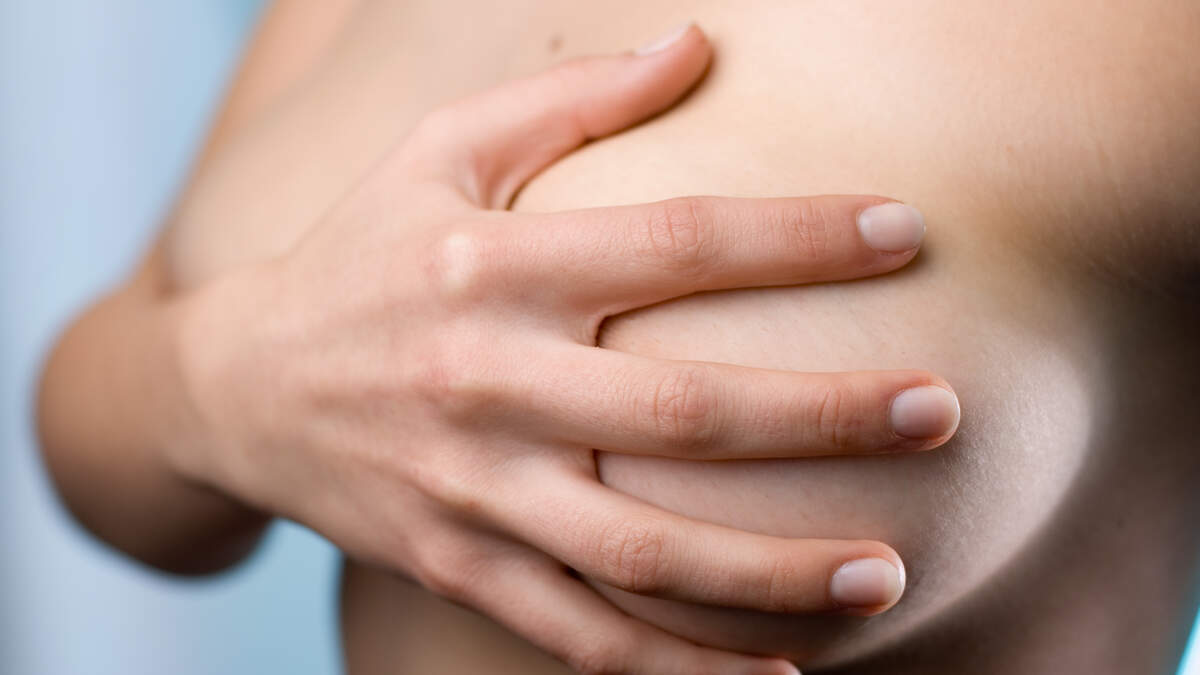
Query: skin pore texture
<point>1055,152</point>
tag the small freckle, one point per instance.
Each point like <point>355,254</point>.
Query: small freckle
<point>555,44</point>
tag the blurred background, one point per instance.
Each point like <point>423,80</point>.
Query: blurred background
<point>102,105</point>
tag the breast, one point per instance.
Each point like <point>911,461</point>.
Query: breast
<point>1024,165</point>
<point>846,98</point>
<point>957,515</point>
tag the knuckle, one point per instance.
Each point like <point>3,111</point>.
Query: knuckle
<point>463,265</point>
<point>833,419</point>
<point>811,226</point>
<point>681,408</point>
<point>456,382</point>
<point>778,595</point>
<point>444,582</point>
<point>632,556</point>
<point>680,235</point>
<point>449,572</point>
<point>436,126</point>
<point>435,149</point>
<point>450,484</point>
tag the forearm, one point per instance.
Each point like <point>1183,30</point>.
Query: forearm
<point>114,407</point>
<point>112,412</point>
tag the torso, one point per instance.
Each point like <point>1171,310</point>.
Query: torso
<point>1055,150</point>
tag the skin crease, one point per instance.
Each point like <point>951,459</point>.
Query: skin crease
<point>1056,533</point>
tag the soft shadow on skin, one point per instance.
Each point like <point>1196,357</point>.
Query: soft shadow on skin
<point>555,44</point>
<point>957,514</point>
<point>924,260</point>
<point>1110,584</point>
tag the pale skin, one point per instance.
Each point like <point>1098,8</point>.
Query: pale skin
<point>430,397</point>
<point>1055,290</point>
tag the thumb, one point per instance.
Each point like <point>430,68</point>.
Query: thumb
<point>491,143</point>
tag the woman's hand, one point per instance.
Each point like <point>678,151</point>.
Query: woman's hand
<point>418,379</point>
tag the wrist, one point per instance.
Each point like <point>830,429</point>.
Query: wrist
<point>207,332</point>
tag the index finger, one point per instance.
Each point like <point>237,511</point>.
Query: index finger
<point>619,258</point>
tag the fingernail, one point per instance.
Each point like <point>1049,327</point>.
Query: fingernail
<point>892,228</point>
<point>772,667</point>
<point>868,582</point>
<point>924,412</point>
<point>786,669</point>
<point>669,38</point>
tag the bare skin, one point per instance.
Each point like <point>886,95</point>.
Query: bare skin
<point>418,379</point>
<point>1055,292</point>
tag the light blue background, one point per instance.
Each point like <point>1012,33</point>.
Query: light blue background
<point>102,105</point>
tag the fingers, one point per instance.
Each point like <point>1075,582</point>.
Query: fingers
<point>621,541</point>
<point>540,601</point>
<point>614,259</point>
<point>492,143</point>
<point>618,402</point>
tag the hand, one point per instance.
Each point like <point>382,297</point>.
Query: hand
<point>418,380</point>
